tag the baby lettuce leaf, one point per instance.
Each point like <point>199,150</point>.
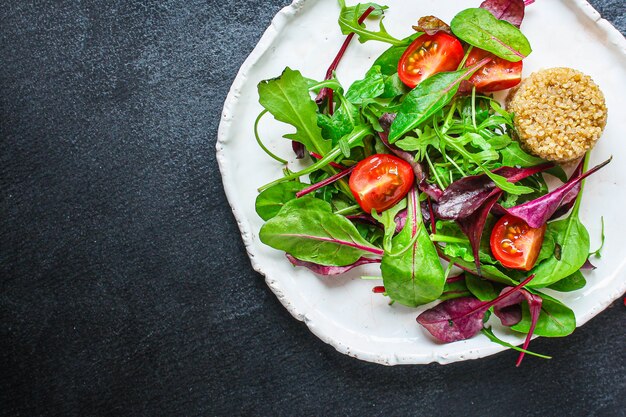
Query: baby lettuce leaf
<point>555,320</point>
<point>481,29</point>
<point>287,99</point>
<point>329,270</point>
<point>510,10</point>
<point>349,23</point>
<point>573,282</point>
<point>308,230</point>
<point>412,273</point>
<point>430,96</point>
<point>269,202</point>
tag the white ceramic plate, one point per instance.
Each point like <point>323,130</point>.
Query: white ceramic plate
<point>343,311</point>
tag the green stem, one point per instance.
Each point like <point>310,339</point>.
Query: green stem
<point>258,139</point>
<point>434,171</point>
<point>447,239</point>
<point>321,163</point>
<point>348,209</point>
<point>465,57</point>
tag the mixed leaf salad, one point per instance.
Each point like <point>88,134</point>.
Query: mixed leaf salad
<point>414,167</point>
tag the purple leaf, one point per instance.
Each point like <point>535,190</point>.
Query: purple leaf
<point>588,266</point>
<point>466,195</point>
<point>474,224</point>
<point>461,318</point>
<point>510,313</point>
<point>431,190</point>
<point>570,198</point>
<point>400,220</point>
<point>327,93</point>
<point>510,10</point>
<point>329,270</point>
<point>431,25</point>
<point>298,149</point>
<point>538,211</point>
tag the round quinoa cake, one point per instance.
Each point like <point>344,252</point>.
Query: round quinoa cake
<point>559,113</point>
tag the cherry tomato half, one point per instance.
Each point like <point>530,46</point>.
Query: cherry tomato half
<point>515,244</point>
<point>380,181</point>
<point>428,55</point>
<point>498,74</point>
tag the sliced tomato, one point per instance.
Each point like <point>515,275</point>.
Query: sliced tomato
<point>380,181</point>
<point>428,55</point>
<point>515,244</point>
<point>498,74</point>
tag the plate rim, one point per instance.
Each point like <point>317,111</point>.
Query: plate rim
<point>278,23</point>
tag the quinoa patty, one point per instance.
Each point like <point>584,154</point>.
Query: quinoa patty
<point>559,113</point>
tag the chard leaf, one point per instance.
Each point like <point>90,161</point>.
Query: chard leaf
<point>307,229</point>
<point>510,10</point>
<point>555,320</point>
<point>287,99</point>
<point>462,318</point>
<point>537,212</point>
<point>349,23</point>
<point>372,86</point>
<point>571,251</point>
<point>412,273</point>
<point>431,25</point>
<point>430,96</point>
<point>269,202</point>
<point>573,282</point>
<point>483,30</point>
<point>454,289</point>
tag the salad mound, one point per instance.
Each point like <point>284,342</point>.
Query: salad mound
<point>415,167</point>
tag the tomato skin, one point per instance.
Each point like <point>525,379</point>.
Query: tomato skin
<point>428,55</point>
<point>515,244</point>
<point>498,74</point>
<point>380,181</point>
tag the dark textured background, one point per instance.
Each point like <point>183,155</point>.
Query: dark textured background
<point>124,285</point>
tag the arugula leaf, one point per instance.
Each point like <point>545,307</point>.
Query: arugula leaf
<point>489,333</point>
<point>307,229</point>
<point>412,273</point>
<point>349,23</point>
<point>555,320</point>
<point>287,99</point>
<point>388,219</point>
<point>483,30</point>
<point>269,202</point>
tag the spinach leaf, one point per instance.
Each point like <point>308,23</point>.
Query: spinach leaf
<point>454,289</point>
<point>269,202</point>
<point>349,23</point>
<point>480,28</point>
<point>513,155</point>
<point>287,99</point>
<point>555,320</point>
<point>573,282</point>
<point>307,229</point>
<point>571,251</point>
<point>372,86</point>
<point>480,288</point>
<point>412,273</point>
<point>429,97</point>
